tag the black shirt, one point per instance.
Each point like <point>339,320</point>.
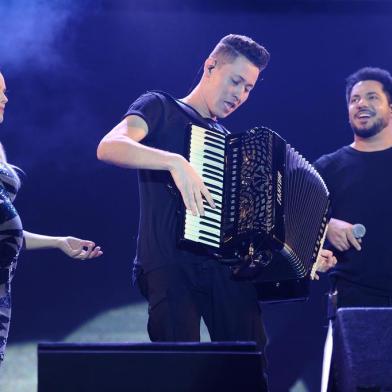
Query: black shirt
<point>160,201</point>
<point>360,184</point>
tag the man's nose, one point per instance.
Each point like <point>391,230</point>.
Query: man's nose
<point>236,95</point>
<point>362,102</point>
<point>239,94</point>
<point>3,98</point>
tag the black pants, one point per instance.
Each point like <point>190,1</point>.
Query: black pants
<point>349,295</point>
<point>179,295</point>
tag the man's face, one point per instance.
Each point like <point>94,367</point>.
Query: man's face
<point>3,98</point>
<point>228,86</point>
<point>369,110</point>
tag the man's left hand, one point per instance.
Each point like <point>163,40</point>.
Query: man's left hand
<point>325,261</point>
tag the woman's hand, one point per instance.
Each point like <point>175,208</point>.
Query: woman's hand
<point>79,249</point>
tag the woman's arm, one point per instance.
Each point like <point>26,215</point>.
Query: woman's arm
<point>71,246</point>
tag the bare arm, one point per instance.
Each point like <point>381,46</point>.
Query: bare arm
<point>122,147</point>
<point>71,246</point>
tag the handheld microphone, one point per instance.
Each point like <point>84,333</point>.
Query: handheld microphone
<point>358,230</point>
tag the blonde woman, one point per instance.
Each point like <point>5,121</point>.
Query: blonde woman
<point>13,237</point>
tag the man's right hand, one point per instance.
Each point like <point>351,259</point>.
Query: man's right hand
<point>340,235</point>
<point>190,185</point>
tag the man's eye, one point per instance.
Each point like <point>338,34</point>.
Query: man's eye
<point>235,82</point>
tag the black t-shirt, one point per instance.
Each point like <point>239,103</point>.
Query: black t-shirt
<point>360,184</point>
<point>160,201</point>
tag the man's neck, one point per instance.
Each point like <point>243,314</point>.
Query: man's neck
<point>379,142</point>
<point>196,100</point>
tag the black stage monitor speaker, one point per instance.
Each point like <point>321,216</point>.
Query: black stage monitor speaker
<point>149,367</point>
<point>363,349</point>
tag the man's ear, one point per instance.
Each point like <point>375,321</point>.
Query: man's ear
<point>209,65</point>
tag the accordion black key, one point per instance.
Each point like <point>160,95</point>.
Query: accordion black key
<point>271,207</point>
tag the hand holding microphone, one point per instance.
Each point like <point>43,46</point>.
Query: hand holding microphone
<point>343,235</point>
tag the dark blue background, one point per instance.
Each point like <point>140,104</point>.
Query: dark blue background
<point>73,67</point>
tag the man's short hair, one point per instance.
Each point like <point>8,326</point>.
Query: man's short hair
<point>370,73</point>
<point>231,46</point>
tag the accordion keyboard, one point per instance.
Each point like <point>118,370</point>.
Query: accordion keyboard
<point>207,152</point>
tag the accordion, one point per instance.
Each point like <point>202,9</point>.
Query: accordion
<point>271,209</point>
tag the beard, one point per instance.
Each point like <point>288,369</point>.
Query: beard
<point>376,128</point>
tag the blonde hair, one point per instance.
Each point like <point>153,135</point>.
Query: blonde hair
<point>11,168</point>
<point>3,157</point>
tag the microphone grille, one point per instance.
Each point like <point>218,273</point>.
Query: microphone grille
<point>359,230</point>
